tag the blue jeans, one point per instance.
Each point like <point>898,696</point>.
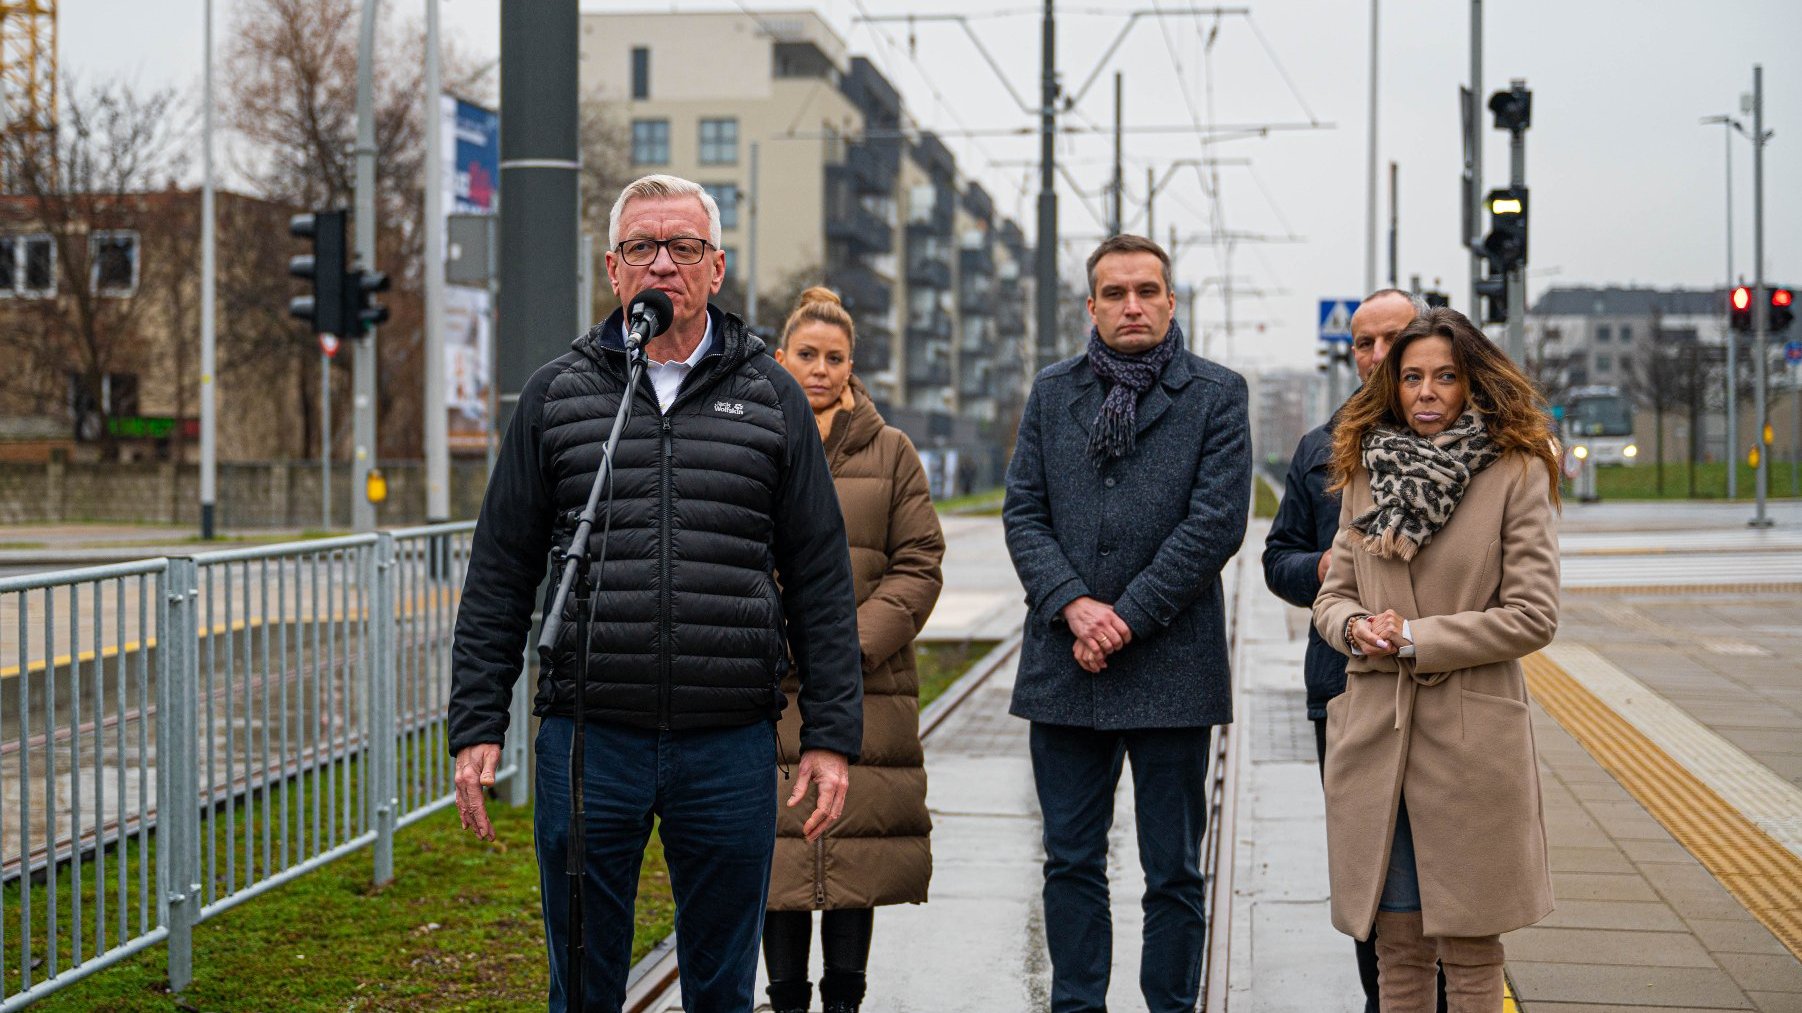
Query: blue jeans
<point>1076,771</point>
<point>1401,886</point>
<point>715,791</point>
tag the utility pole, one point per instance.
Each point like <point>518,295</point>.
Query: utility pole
<point>364,397</point>
<point>437,420</point>
<point>1117,208</point>
<point>1475,196</point>
<point>1729,125</point>
<point>1046,253</point>
<point>751,243</point>
<point>209,348</point>
<point>1151,200</point>
<point>1761,297</point>
<point>1394,222</point>
<point>538,232</point>
<point>1517,274</point>
<point>1370,167</point>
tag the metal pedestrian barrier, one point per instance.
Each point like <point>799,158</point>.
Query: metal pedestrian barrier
<point>179,735</point>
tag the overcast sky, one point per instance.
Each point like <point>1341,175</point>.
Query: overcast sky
<point>1626,186</point>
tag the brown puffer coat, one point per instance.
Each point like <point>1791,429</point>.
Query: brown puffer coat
<point>878,852</point>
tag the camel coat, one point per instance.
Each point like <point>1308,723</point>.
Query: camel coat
<point>1448,728</point>
<point>878,852</point>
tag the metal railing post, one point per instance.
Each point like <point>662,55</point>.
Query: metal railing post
<point>519,739</point>
<point>384,786</point>
<point>178,793</point>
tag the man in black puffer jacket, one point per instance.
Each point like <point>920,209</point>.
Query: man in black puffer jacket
<point>719,482</point>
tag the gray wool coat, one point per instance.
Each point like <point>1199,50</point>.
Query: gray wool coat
<point>1148,533</point>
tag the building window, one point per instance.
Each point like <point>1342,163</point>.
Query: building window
<point>727,196</point>
<point>115,259</point>
<point>650,142</point>
<point>1604,362</point>
<point>27,266</point>
<point>641,72</point>
<point>1604,334</point>
<point>731,253</point>
<point>1627,335</point>
<point>719,142</point>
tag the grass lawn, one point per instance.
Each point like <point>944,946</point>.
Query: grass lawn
<point>941,663</point>
<point>458,928</point>
<point>1641,481</point>
<point>981,504</point>
<point>1263,497</point>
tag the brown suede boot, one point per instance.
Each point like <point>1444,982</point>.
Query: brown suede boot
<point>1473,973</point>
<point>1407,980</point>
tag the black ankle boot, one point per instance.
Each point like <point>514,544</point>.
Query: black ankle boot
<point>790,996</point>
<point>842,991</point>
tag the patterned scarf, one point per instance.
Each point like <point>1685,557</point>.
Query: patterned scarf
<point>1127,378</point>
<point>1417,481</point>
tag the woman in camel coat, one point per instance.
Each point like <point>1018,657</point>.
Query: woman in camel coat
<point>878,853</point>
<point>1444,575</point>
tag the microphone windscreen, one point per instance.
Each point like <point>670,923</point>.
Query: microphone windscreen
<point>657,303</point>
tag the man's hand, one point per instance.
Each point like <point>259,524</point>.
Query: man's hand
<point>475,771</point>
<point>1092,662</point>
<point>1096,627</point>
<point>833,775</point>
<point>1320,568</point>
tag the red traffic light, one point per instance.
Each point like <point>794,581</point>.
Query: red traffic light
<point>1742,298</point>
<point>1781,297</point>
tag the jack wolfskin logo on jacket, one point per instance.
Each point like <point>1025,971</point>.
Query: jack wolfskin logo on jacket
<point>729,407</point>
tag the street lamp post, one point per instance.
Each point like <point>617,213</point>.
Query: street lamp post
<point>1732,400</point>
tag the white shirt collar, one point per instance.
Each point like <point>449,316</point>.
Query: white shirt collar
<point>694,357</point>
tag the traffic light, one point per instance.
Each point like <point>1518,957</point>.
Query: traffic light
<point>1494,291</point>
<point>361,311</point>
<point>1739,309</point>
<point>1513,108</point>
<point>1506,243</point>
<point>1782,310</point>
<point>324,267</point>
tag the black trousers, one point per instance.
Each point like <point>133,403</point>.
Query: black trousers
<point>844,946</point>
<point>1367,949</point>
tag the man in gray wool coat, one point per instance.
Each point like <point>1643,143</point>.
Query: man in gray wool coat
<point>1127,494</point>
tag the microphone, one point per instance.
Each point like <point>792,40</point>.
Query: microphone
<point>647,315</point>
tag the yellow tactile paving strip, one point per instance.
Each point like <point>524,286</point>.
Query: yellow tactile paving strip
<point>1761,874</point>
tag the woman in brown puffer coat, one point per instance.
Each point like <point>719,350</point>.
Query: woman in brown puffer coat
<point>878,852</point>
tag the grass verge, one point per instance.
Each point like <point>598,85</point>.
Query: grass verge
<point>1641,480</point>
<point>1263,498</point>
<point>981,504</point>
<point>459,927</point>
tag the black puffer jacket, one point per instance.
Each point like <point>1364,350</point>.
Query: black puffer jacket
<point>708,500</point>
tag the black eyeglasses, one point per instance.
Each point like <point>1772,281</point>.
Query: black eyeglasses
<point>684,250</point>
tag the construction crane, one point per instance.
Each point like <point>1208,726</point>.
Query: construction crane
<point>27,72</point>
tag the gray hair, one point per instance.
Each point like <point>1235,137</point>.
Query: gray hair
<point>1415,299</point>
<point>664,185</point>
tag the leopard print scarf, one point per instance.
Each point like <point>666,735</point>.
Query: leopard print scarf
<point>1417,481</point>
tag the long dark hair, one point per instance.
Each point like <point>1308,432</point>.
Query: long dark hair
<point>1513,411</point>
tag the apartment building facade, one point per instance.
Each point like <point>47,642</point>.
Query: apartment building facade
<point>847,194</point>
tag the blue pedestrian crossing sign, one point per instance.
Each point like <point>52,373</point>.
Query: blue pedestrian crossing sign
<point>1335,319</point>
<point>1792,352</point>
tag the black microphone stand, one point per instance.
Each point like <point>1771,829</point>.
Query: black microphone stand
<point>578,581</point>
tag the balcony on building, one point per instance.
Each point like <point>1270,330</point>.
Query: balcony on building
<point>849,221</point>
<point>927,366</point>
<point>873,165</point>
<point>928,272</point>
<point>977,202</point>
<point>936,159</point>
<point>866,294</point>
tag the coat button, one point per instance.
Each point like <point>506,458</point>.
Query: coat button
<point>1105,550</point>
<point>1110,482</point>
